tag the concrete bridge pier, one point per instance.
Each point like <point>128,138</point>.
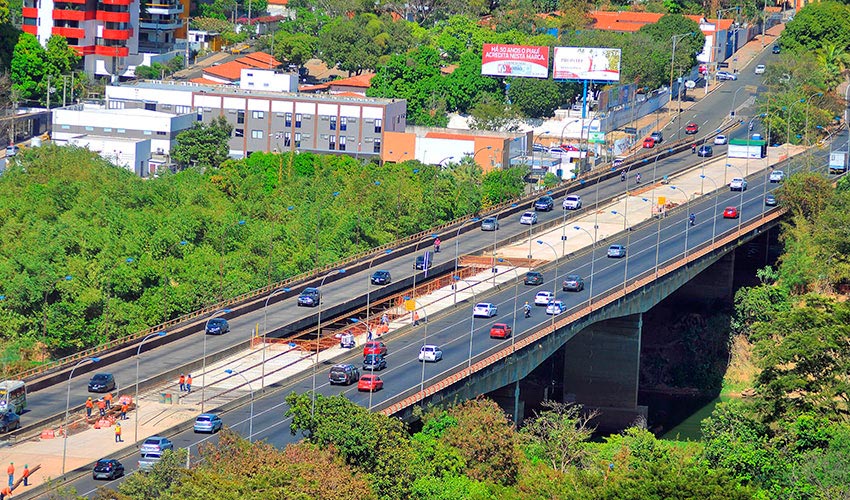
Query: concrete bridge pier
<point>601,371</point>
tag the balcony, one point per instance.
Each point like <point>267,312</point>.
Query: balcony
<point>116,34</point>
<point>30,28</point>
<point>116,2</point>
<point>103,50</point>
<point>59,4</point>
<point>113,17</point>
<point>160,25</point>
<point>72,15</point>
<point>164,8</point>
<point>68,32</point>
<point>30,12</point>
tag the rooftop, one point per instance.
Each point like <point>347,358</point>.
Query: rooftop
<point>232,70</point>
<point>628,21</point>
<point>128,112</point>
<point>362,81</point>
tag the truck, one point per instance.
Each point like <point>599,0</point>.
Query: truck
<point>747,148</point>
<point>837,162</point>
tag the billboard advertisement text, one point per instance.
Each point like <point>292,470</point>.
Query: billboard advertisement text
<point>586,63</point>
<point>515,60</point>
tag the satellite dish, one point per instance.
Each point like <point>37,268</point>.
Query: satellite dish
<point>690,84</point>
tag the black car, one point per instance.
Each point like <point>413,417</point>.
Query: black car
<point>102,382</point>
<point>705,151</point>
<point>657,136</point>
<point>107,468</point>
<point>545,204</point>
<point>343,374</point>
<point>374,362</point>
<point>420,263</point>
<point>533,278</point>
<point>381,278</point>
<point>9,421</point>
<point>776,49</point>
<point>573,283</point>
<point>217,326</point>
<point>310,297</point>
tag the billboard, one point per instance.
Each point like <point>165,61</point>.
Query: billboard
<point>586,63</point>
<point>515,60</point>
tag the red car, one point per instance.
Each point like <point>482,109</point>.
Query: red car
<point>500,331</point>
<point>691,128</point>
<point>569,147</point>
<point>370,383</point>
<point>649,143</point>
<point>375,347</point>
<point>730,213</point>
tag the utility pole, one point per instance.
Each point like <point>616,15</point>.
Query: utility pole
<point>48,91</point>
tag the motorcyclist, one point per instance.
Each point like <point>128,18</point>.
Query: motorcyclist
<point>527,309</point>
<point>693,219</point>
<point>623,176</point>
<point>637,177</point>
<point>693,148</point>
<point>437,245</point>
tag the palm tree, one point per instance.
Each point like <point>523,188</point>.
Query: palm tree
<point>835,60</point>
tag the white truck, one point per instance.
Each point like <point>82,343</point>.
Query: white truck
<point>837,162</point>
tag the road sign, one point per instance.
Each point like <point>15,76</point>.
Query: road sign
<point>409,305</point>
<point>630,130</point>
<point>662,200</point>
<point>723,65</point>
<point>690,84</point>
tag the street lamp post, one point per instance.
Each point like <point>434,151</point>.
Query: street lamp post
<point>136,399</point>
<point>687,209</point>
<point>513,205</point>
<point>68,409</point>
<point>204,362</point>
<point>716,199</point>
<point>628,251</point>
<point>555,281</point>
<point>732,107</point>
<point>675,39</point>
<point>318,339</point>
<point>740,210</point>
<point>457,249</point>
<point>472,322</point>
<point>221,258</point>
<point>369,288</point>
<point>251,417</point>
<point>592,261</point>
<point>266,331</point>
<point>440,163</point>
<point>424,342</point>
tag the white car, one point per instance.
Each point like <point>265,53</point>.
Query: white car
<point>760,69</point>
<point>725,75</point>
<point>555,307</point>
<point>720,140</point>
<point>543,298</point>
<point>484,310</point>
<point>431,353</point>
<point>738,184</point>
<point>572,202</point>
<point>777,176</point>
<point>528,218</point>
<point>616,251</point>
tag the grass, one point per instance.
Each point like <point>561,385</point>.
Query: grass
<point>741,373</point>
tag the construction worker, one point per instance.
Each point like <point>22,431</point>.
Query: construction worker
<point>101,405</point>
<point>89,406</point>
<point>118,433</point>
<point>6,493</point>
<point>182,382</point>
<point>189,383</point>
<point>124,408</point>
<point>108,400</point>
<point>26,475</point>
<point>11,471</point>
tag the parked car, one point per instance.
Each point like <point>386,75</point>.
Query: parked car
<point>156,444</point>
<point>543,297</point>
<point>618,162</point>
<point>691,128</point>
<point>657,136</point>
<point>345,374</point>
<point>705,151</point>
<point>539,148</point>
<point>720,140</point>
<point>649,143</point>
<point>760,69</point>
<point>485,310</point>
<point>12,150</point>
<point>207,422</point>
<point>545,204</point>
<point>381,278</point>
<point>776,49</point>
<point>375,347</point>
<point>500,331</point>
<point>310,297</point>
<point>346,340</point>
<point>148,460</point>
<point>730,213</point>
<point>770,200</point>
<point>725,75</point>
<point>573,283</point>
<point>107,468</point>
<point>370,382</point>
<point>102,382</point>
<point>420,263</point>
<point>738,184</point>
<point>9,421</point>
<point>490,224</point>
<point>616,251</point>
<point>777,176</point>
<point>533,278</point>
<point>528,218</point>
<point>572,202</point>
<point>555,307</point>
<point>374,362</point>
<point>217,326</point>
<point>429,352</point>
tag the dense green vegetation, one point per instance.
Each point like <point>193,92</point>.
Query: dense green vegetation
<point>68,213</point>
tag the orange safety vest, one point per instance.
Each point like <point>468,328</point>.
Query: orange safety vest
<point>10,470</point>
<point>117,430</point>
<point>6,491</point>
<point>189,380</point>
<point>182,379</point>
<point>26,473</point>
<point>101,404</point>
<point>108,396</point>
<point>89,403</point>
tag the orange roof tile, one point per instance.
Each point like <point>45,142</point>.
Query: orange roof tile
<point>228,71</point>
<point>204,81</point>
<point>259,60</point>
<point>629,21</point>
<point>311,88</point>
<point>363,80</point>
<point>348,94</point>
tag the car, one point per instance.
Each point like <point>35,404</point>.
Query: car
<point>705,151</point>
<point>345,374</point>
<point>533,278</point>
<point>421,264</point>
<point>9,421</point>
<point>309,297</point>
<point>539,148</point>
<point>148,460</point>
<point>545,204</point>
<point>776,49</point>
<point>490,224</point>
<point>777,176</point>
<point>156,444</point>
<point>730,213</point>
<point>616,251</point>
<point>102,382</point>
<point>370,383</point>
<point>543,297</point>
<point>500,331</point>
<point>217,326</point>
<point>381,277</point>
<point>107,468</point>
<point>759,69</point>
<point>573,283</point>
<point>738,184</point>
<point>528,218</point>
<point>649,143</point>
<point>374,362</point>
<point>346,340</point>
<point>756,137</point>
<point>207,422</point>
<point>618,162</point>
<point>572,202</point>
<point>657,136</point>
<point>576,107</point>
<point>484,310</point>
<point>555,307</point>
<point>720,140</point>
<point>691,128</point>
<point>12,150</point>
<point>770,200</point>
<point>725,75</point>
<point>429,352</point>
<point>375,347</point>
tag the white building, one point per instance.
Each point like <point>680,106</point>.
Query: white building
<point>132,154</point>
<point>267,80</point>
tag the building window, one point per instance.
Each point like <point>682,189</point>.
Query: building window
<point>333,123</point>
<point>376,146</point>
<point>240,117</point>
<point>66,127</point>
<point>342,143</point>
<point>257,115</point>
<point>150,106</point>
<point>89,129</point>
<point>121,131</point>
<point>332,142</point>
<point>297,120</point>
<point>256,134</point>
<point>200,117</point>
<point>378,123</point>
<point>287,139</point>
<point>297,140</point>
<point>343,124</point>
<point>147,132</point>
<point>160,132</point>
<point>288,119</point>
<point>239,132</point>
<point>107,130</point>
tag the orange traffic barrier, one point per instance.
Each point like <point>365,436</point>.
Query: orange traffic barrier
<point>47,434</point>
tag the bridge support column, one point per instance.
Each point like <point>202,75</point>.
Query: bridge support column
<point>601,371</point>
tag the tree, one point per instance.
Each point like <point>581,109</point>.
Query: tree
<point>414,76</point>
<point>806,194</point>
<point>535,97</point>
<point>492,114</point>
<point>203,146</point>
<point>295,48</point>
<point>61,58</point>
<point>816,25</point>
<point>162,476</point>
<point>345,44</point>
<point>29,67</point>
<point>687,48</point>
<point>465,86</point>
<point>558,434</point>
<point>501,185</point>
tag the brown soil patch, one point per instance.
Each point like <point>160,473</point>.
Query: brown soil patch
<point>741,373</point>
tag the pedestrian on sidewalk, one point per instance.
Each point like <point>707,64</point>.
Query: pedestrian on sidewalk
<point>118,433</point>
<point>26,475</point>
<point>124,408</point>
<point>89,406</point>
<point>182,382</point>
<point>6,493</point>
<point>11,471</point>
<point>101,405</point>
<point>385,320</point>
<point>108,399</point>
<point>415,318</point>
<point>368,334</point>
<point>189,383</point>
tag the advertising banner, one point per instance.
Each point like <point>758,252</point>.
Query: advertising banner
<point>586,63</point>
<point>515,60</point>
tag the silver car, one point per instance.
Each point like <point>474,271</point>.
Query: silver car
<point>490,224</point>
<point>528,218</point>
<point>148,460</point>
<point>616,251</point>
<point>208,422</point>
<point>156,444</point>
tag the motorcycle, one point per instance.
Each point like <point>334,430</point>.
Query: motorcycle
<point>527,312</point>
<point>692,220</point>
